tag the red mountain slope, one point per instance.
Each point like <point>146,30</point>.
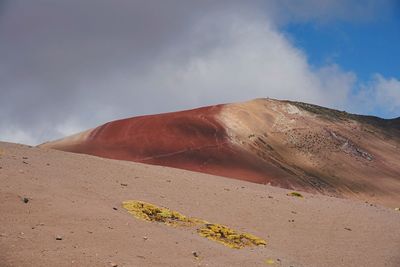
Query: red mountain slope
<point>287,144</point>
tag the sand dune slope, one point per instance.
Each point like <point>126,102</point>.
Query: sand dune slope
<point>78,198</point>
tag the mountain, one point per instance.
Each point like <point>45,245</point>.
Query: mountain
<point>287,144</point>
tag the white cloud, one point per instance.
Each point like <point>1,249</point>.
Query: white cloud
<point>17,136</point>
<point>387,92</point>
<point>76,68</point>
<point>381,94</point>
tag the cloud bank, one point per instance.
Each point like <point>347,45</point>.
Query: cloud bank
<point>67,66</point>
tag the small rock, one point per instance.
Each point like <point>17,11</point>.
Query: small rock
<point>145,238</point>
<point>168,181</point>
<point>195,254</point>
<point>25,200</point>
<point>25,162</point>
<point>348,229</point>
<point>397,209</point>
<point>113,264</point>
<point>114,208</point>
<point>24,157</point>
<point>59,237</point>
<point>124,184</point>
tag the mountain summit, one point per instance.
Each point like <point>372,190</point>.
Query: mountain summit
<point>287,144</point>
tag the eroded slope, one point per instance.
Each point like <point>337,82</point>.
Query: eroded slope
<point>287,144</point>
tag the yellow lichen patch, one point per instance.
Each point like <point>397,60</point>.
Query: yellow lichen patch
<point>215,232</point>
<point>150,212</point>
<point>295,194</point>
<point>229,237</point>
<point>270,261</point>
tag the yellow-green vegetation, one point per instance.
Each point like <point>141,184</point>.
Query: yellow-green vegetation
<point>153,213</point>
<point>295,194</point>
<point>270,261</point>
<point>229,237</point>
<point>216,232</point>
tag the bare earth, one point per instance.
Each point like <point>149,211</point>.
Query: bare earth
<point>73,196</point>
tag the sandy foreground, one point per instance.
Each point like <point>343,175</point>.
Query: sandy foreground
<point>78,199</point>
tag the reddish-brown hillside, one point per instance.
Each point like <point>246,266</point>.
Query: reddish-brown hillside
<point>287,144</point>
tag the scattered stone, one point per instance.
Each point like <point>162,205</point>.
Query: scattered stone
<point>294,212</point>
<point>59,237</point>
<point>124,184</point>
<point>114,208</point>
<point>113,264</point>
<point>195,254</point>
<point>348,229</point>
<point>141,257</point>
<point>25,200</point>
<point>270,197</point>
<point>25,162</point>
<point>145,238</point>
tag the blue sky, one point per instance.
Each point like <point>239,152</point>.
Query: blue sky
<point>365,48</point>
<point>362,47</point>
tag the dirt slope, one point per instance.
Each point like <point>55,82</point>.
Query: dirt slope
<point>79,197</point>
<point>286,144</point>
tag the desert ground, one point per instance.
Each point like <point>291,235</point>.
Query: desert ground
<point>64,209</point>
